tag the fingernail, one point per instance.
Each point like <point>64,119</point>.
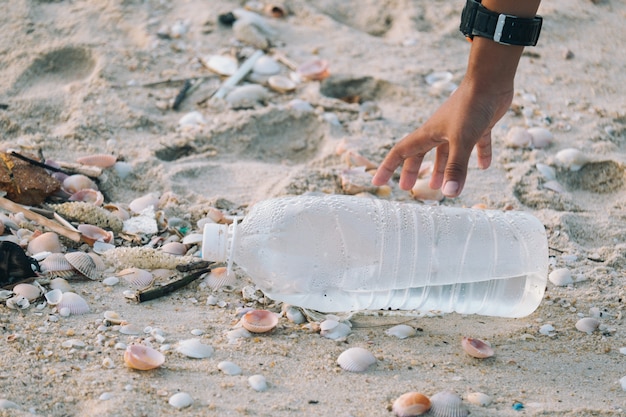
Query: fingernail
<point>450,188</point>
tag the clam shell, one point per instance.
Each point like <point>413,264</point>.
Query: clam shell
<point>112,317</point>
<point>54,297</point>
<point>180,400</point>
<point>221,64</point>
<point>447,404</point>
<point>438,77</point>
<point>60,284</point>
<point>229,368</point>
<point>84,264</point>
<point>220,277</point>
<point>422,191</point>
<point>411,404</point>
<point>478,398</point>
<point>143,357</point>
<point>141,203</point>
<point>335,330</point>
<point>29,291</point>
<point>571,158</point>
<point>518,137</point>
<point>174,248</point>
<point>74,303</point>
<point>92,234</point>
<point>540,137</point>
<point>194,348</point>
<point>356,359</point>
<point>88,195</point>
<point>401,331</point>
<point>246,96</point>
<point>55,265</point>
<point>293,314</point>
<point>259,321</point>
<point>137,277</point>
<point>281,83</point>
<point>587,325</point>
<point>313,70</point>
<point>257,383</point>
<point>77,182</point>
<point>101,160</point>
<point>476,348</point>
<point>266,65</point>
<point>561,277</point>
<point>17,302</point>
<point>46,242</point>
<point>546,171</point>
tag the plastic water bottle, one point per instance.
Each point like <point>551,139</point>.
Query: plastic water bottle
<point>337,253</point>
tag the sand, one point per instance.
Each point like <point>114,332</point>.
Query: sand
<point>75,80</point>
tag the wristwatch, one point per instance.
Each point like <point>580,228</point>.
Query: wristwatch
<point>477,20</point>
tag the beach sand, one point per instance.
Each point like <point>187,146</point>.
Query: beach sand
<point>82,77</point>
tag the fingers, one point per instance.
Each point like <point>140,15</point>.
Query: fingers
<point>483,150</point>
<point>387,167</point>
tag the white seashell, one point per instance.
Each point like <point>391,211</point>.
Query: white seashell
<point>561,277</point>
<point>300,106</point>
<point>192,239</point>
<point>180,400</point>
<point>29,291</point>
<point>447,404</point>
<point>229,368</point>
<point>46,242</point>
<point>281,84</point>
<point>194,348</point>
<point>356,359</point>
<point>422,191</point>
<point>258,383</point>
<point>221,64</point>
<point>143,357</point>
<point>401,331</point>
<point>130,329</point>
<point>122,169</point>
<point>476,348</point>
<point>246,96</point>
<point>235,334</point>
<point>138,278</point>
<point>84,264</point>
<point>587,324</point>
<point>411,404</point>
<point>332,329</point>
<point>105,396</point>
<point>112,317</point>
<point>64,312</point>
<point>547,171</point>
<point>18,302</point>
<point>478,398</point>
<point>192,120</point>
<point>554,186</point>
<point>293,314</point>
<point>438,77</point>
<point>110,281</point>
<point>540,137</point>
<point>571,158</point>
<point>547,330</point>
<point>74,303</point>
<point>54,297</point>
<point>518,137</point>
<point>139,204</point>
<point>60,284</point>
<point>266,65</point>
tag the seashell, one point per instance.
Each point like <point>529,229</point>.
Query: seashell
<point>45,242</point>
<point>293,314</point>
<point>334,330</point>
<point>90,214</point>
<point>112,317</point>
<point>174,248</point>
<point>257,383</point>
<point>246,96</point>
<point>411,404</point>
<point>54,297</point>
<point>438,77</point>
<point>221,64</point>
<point>8,405</point>
<point>140,204</point>
<point>194,348</point>
<point>518,137</point>
<point>101,160</point>
<point>275,10</point>
<point>571,158</point>
<point>84,264</point>
<point>97,260</point>
<point>478,398</point>
<point>192,120</point>
<point>78,182</point>
<point>137,277</point>
<point>88,195</point>
<point>313,70</point>
<point>60,284</point>
<point>476,348</point>
<point>299,105</point>
<point>220,277</point>
<point>130,329</point>
<point>553,186</point>
<point>422,191</point>
<point>180,400</point>
<point>547,330</point>
<point>540,137</point>
<point>587,324</point>
<point>259,321</point>
<point>17,302</point>
<point>90,234</point>
<point>229,368</point>
<point>447,404</point>
<point>74,303</point>
<point>561,277</point>
<point>110,281</point>
<point>401,331</point>
<point>192,239</point>
<point>143,357</point>
<point>356,359</point>
<point>29,291</point>
<point>122,169</point>
<point>281,83</point>
<point>144,257</point>
<point>266,65</point>
<point>546,171</point>
<point>118,211</point>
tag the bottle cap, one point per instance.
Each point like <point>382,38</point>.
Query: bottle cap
<point>214,242</point>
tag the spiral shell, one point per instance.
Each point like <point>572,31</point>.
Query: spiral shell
<point>447,404</point>
<point>411,404</point>
<point>84,264</point>
<point>74,303</point>
<point>142,357</point>
<point>356,359</point>
<point>259,321</point>
<point>88,213</point>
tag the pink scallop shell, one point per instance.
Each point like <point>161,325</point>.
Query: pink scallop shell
<point>143,357</point>
<point>259,321</point>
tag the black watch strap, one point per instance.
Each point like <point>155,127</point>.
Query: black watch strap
<point>477,20</point>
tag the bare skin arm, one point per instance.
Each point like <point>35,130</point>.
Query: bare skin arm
<point>466,118</point>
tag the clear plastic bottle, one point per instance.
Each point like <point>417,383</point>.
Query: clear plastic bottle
<point>337,253</point>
